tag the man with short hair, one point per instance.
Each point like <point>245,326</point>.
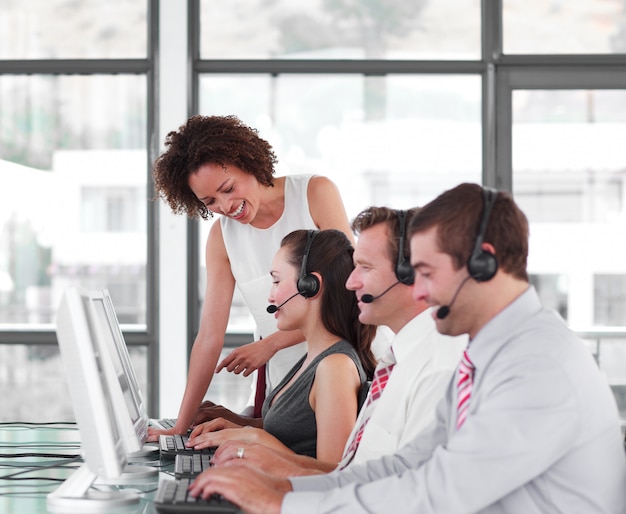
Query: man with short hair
<point>424,359</point>
<point>528,425</point>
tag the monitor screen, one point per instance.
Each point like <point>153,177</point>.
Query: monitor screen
<point>92,401</point>
<point>129,409</point>
<point>103,409</point>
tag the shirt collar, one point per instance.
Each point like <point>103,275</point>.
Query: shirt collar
<point>494,334</point>
<point>413,334</point>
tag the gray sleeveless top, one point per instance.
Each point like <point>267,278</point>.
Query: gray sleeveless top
<point>290,419</point>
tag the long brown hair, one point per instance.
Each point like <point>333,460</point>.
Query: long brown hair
<point>330,255</point>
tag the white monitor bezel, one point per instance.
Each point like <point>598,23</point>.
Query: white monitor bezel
<point>85,370</point>
<point>132,420</point>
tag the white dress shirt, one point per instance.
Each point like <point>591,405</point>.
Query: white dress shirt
<point>425,362</point>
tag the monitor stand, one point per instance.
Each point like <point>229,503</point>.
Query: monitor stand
<point>76,494</point>
<point>147,450</point>
<point>132,474</point>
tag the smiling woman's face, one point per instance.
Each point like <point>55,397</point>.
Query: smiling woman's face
<point>227,190</point>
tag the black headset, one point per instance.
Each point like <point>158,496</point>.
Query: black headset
<point>404,271</point>
<point>308,284</point>
<point>482,265</point>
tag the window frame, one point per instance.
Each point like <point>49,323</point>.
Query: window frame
<point>24,334</point>
<point>500,74</point>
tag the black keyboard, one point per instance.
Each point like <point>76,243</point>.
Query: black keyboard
<point>191,465</point>
<point>172,496</point>
<point>172,445</point>
<point>167,423</point>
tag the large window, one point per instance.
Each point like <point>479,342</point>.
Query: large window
<point>327,124</point>
<point>65,29</point>
<point>569,172</point>
<point>393,100</point>
<point>397,101</point>
<point>563,27</point>
<point>74,129</point>
<point>340,29</point>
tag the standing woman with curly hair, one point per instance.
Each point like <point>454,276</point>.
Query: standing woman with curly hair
<point>217,164</point>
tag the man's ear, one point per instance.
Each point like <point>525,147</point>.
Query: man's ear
<point>488,247</point>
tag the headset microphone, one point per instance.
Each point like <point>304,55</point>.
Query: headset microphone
<point>403,270</point>
<point>368,298</point>
<point>444,310</point>
<point>273,308</point>
<point>308,284</point>
<point>482,264</point>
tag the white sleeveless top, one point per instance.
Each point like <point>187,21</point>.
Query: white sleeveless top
<point>251,251</point>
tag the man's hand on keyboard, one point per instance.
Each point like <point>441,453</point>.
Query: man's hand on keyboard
<point>252,490</point>
<point>273,462</point>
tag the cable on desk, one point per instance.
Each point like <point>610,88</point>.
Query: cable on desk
<point>53,482</point>
<point>36,423</point>
<point>56,480</point>
<point>15,478</point>
<point>42,446</point>
<point>39,455</point>
<point>30,469</point>
<point>5,444</point>
<point>40,465</point>
<point>25,494</point>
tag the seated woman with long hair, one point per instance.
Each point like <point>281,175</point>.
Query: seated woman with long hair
<point>312,411</point>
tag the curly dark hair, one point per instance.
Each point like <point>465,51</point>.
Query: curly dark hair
<point>222,140</point>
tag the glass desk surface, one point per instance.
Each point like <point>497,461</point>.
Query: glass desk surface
<point>36,458</point>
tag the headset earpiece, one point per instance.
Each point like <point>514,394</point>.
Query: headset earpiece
<point>308,284</point>
<point>404,271</point>
<point>483,265</point>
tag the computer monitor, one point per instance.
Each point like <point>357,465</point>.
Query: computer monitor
<point>125,374</point>
<point>133,419</point>
<point>98,403</point>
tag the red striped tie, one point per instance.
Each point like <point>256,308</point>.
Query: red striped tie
<point>464,388</point>
<point>381,376</point>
